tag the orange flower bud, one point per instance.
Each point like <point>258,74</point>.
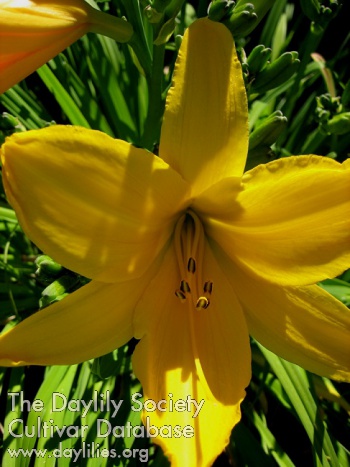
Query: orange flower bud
<point>34,31</point>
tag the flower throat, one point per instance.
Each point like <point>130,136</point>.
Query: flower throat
<point>189,248</point>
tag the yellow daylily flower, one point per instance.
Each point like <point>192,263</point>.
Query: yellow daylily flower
<point>185,251</point>
<point>34,31</point>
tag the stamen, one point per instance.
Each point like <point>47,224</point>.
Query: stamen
<point>208,287</point>
<point>203,302</point>
<point>180,294</point>
<point>191,265</point>
<point>189,242</point>
<point>184,287</point>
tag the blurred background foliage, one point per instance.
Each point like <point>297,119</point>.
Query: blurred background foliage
<point>295,59</point>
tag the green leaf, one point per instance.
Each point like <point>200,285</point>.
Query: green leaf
<point>295,382</point>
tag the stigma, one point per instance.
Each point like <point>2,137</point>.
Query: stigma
<point>189,247</point>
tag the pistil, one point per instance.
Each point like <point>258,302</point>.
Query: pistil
<point>189,247</point>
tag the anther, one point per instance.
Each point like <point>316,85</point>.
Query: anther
<point>191,265</point>
<point>202,302</point>
<point>208,287</point>
<point>184,287</point>
<point>180,294</point>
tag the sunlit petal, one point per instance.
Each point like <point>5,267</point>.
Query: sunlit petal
<point>221,334</point>
<point>99,206</point>
<point>205,129</point>
<point>304,325</point>
<point>188,353</point>
<point>292,224</point>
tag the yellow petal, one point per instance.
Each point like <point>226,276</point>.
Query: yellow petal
<point>205,130</point>
<point>99,206</point>
<point>90,322</point>
<point>219,201</point>
<point>304,325</point>
<point>33,32</point>
<point>292,221</point>
<point>186,353</point>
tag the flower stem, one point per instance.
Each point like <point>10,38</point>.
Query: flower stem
<point>110,26</point>
<point>155,100</point>
<point>139,41</point>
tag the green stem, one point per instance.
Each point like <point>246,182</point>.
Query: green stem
<point>139,41</point>
<point>142,54</point>
<point>155,100</point>
<point>110,26</point>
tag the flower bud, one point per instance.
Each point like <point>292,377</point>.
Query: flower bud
<point>242,19</point>
<point>268,131</point>
<point>339,124</point>
<point>318,12</point>
<point>219,9</point>
<point>276,72</point>
<point>258,58</point>
<point>33,32</point>
<point>8,125</point>
<point>58,289</point>
<point>246,15</point>
<point>8,122</point>
<point>47,267</point>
